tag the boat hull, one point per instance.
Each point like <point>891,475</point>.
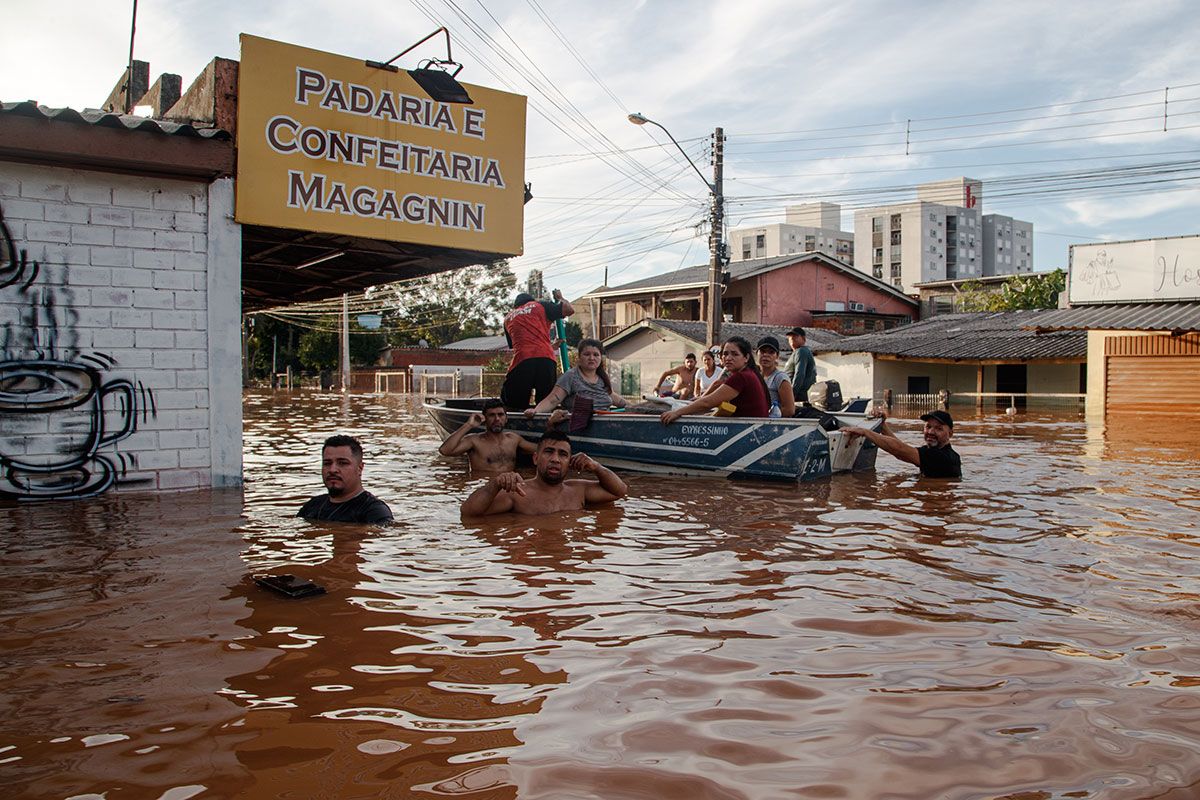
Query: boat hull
<point>775,449</point>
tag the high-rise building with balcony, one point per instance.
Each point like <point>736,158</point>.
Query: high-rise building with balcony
<point>942,235</point>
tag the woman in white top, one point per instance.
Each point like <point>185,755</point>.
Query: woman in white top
<point>708,374</point>
<point>782,399</point>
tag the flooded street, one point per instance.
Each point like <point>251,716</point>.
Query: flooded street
<point>1030,633</point>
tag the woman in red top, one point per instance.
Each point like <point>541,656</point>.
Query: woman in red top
<point>744,386</point>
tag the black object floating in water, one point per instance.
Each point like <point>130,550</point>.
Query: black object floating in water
<point>289,585</point>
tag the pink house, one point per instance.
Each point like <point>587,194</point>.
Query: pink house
<point>808,289</point>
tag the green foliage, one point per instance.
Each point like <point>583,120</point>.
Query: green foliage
<point>319,349</point>
<point>1017,293</point>
<point>449,306</point>
<point>497,363</point>
<point>573,332</point>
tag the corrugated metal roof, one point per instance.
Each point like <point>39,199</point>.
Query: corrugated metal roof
<point>105,119</point>
<point>1173,317</point>
<point>996,336</point>
<point>479,343</point>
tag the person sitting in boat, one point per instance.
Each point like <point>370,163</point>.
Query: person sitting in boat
<point>708,374</point>
<point>685,379</point>
<point>586,379</point>
<point>743,387</point>
<point>936,458</point>
<point>779,386</point>
<point>548,492</point>
<point>494,450</point>
<point>345,499</point>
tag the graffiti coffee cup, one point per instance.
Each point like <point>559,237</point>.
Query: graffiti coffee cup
<point>54,414</point>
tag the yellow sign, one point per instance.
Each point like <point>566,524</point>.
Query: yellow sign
<point>326,143</point>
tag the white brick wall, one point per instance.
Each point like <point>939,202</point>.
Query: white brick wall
<point>123,269</point>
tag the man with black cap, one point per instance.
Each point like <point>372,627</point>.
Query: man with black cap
<point>936,457</point>
<point>801,367</point>
<point>527,328</point>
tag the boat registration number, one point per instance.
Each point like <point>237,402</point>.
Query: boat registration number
<point>687,441</point>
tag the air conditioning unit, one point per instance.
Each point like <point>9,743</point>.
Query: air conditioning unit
<point>857,307</point>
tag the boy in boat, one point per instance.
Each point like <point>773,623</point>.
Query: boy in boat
<point>346,500</point>
<point>549,492</point>
<point>936,458</point>
<point>494,450</point>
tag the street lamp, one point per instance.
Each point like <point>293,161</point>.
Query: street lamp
<point>716,245</point>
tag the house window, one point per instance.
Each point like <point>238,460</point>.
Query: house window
<point>895,222</point>
<point>745,252</point>
<point>876,224</point>
<point>760,240</point>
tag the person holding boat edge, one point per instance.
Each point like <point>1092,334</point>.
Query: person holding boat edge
<point>493,450</point>
<point>936,458</point>
<point>743,386</point>
<point>586,379</point>
<point>549,492</point>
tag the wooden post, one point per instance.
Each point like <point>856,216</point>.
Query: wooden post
<point>979,388</point>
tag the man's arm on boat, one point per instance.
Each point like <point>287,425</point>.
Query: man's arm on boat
<point>456,443</point>
<point>495,496</point>
<point>902,451</point>
<point>725,394</point>
<point>608,486</point>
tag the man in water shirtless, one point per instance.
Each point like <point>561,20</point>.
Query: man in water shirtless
<point>685,378</point>
<point>494,450</point>
<point>548,492</point>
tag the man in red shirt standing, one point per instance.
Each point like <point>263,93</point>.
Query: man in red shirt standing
<point>527,327</point>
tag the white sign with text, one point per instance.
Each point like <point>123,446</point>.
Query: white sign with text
<point>1125,272</point>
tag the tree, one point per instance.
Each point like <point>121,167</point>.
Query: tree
<point>320,348</point>
<point>1017,293</point>
<point>449,306</point>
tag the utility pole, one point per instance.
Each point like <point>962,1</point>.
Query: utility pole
<point>345,348</point>
<point>716,240</point>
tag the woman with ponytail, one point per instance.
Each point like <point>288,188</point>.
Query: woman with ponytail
<point>586,379</point>
<point>743,387</point>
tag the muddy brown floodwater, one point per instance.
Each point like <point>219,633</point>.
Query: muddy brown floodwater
<point>1029,633</point>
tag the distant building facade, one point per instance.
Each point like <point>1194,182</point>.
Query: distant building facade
<point>943,235</point>
<point>809,228</point>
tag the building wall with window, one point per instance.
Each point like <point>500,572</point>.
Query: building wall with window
<point>922,241</point>
<point>1008,246</point>
<point>781,239</point>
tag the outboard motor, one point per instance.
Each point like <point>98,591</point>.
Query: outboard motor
<point>826,396</point>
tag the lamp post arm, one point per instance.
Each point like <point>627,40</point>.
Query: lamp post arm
<point>688,158</point>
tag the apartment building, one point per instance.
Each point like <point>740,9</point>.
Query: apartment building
<point>809,228</point>
<point>942,235</point>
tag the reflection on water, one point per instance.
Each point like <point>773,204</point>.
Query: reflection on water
<point>1027,633</point>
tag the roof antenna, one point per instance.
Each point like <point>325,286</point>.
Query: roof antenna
<point>129,69</point>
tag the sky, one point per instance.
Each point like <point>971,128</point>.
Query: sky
<point>1057,107</point>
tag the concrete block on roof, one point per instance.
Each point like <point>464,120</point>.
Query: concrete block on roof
<point>139,85</point>
<point>163,94</point>
<point>211,99</point>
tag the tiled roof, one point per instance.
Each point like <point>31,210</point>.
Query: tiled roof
<point>698,332</point>
<point>1001,335</point>
<point>1174,317</point>
<point>696,276</point>
<point>106,119</point>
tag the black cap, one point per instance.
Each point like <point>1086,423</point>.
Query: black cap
<point>797,331</point>
<point>941,416</point>
<point>768,341</point>
<point>522,299</point>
